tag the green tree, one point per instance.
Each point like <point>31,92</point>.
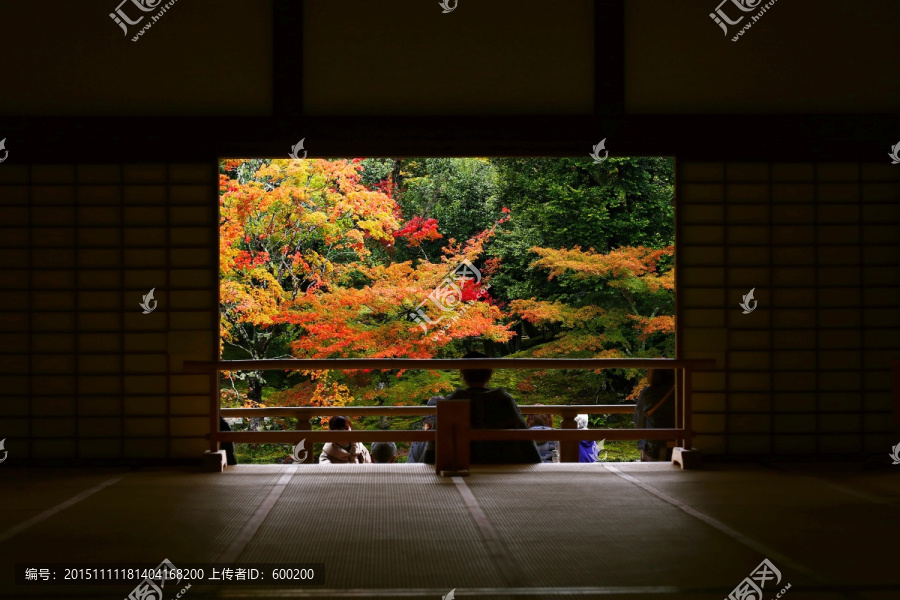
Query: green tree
<point>568,202</point>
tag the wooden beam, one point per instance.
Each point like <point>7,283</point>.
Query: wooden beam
<point>326,364</point>
<point>609,58</point>
<point>895,376</point>
<point>287,61</point>
<point>840,138</point>
<point>408,411</point>
<point>409,435</point>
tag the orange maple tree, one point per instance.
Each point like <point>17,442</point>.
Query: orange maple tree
<point>306,272</point>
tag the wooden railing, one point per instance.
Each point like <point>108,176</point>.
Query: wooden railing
<point>453,436</point>
<point>568,449</point>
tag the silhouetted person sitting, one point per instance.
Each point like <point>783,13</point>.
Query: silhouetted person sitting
<point>491,409</point>
<point>549,451</point>
<point>417,449</point>
<point>656,409</point>
<point>383,452</point>
<point>354,452</point>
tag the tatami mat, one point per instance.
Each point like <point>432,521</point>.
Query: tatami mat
<point>828,528</point>
<point>544,531</point>
<point>597,529</point>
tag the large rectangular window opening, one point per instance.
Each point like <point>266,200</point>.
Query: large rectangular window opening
<point>435,257</point>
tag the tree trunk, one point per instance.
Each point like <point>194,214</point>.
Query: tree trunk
<point>395,176</point>
<point>255,384</point>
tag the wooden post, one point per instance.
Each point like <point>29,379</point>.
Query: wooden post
<point>679,404</point>
<point>687,408</point>
<point>895,368</point>
<point>214,403</point>
<point>568,451</point>
<point>452,428</point>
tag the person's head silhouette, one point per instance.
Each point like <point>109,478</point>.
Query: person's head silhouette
<point>476,378</point>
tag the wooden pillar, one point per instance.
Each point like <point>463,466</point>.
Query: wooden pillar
<point>452,427</point>
<point>679,405</point>
<point>687,408</point>
<point>568,451</point>
<point>214,403</point>
<point>895,367</point>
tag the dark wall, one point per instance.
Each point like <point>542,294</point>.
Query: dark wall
<point>808,371</point>
<point>784,185</point>
<point>799,57</point>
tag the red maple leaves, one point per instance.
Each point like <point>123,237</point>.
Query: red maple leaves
<point>419,230</point>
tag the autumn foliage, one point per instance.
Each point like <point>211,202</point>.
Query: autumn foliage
<point>306,272</point>
<point>317,260</point>
<point>636,287</point>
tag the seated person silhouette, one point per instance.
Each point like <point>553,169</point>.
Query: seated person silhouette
<point>656,409</point>
<point>588,450</point>
<point>549,450</point>
<point>383,452</point>
<point>354,452</point>
<point>491,409</point>
<point>417,449</point>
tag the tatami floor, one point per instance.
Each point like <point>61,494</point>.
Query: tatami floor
<point>398,531</point>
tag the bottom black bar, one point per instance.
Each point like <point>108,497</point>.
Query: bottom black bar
<point>166,573</point>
